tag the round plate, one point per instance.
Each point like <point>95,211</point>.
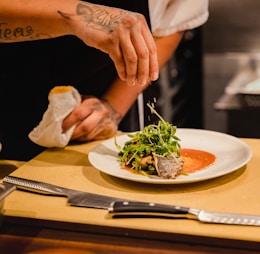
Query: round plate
<point>231,154</point>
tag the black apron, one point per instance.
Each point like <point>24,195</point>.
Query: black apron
<point>29,70</point>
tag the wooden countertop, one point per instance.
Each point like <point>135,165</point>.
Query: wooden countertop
<point>70,168</point>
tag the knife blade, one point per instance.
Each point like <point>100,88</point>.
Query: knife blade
<point>124,209</point>
<point>5,190</point>
<point>121,208</point>
<point>74,197</point>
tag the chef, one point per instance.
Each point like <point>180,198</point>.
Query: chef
<point>109,50</point>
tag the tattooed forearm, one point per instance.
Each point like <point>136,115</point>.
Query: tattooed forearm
<point>97,17</point>
<point>8,34</point>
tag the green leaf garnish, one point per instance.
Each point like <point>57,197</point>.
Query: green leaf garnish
<point>157,139</point>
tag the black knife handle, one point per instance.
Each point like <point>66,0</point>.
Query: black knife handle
<point>126,208</point>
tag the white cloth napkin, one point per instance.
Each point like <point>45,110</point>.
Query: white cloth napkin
<point>48,133</point>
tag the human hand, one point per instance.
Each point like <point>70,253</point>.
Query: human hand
<point>123,35</point>
<point>95,120</point>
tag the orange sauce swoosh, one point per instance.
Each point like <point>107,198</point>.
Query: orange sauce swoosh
<point>195,160</point>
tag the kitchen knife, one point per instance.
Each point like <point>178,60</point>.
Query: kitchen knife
<point>121,208</point>
<point>75,197</point>
<point>5,190</point>
<point>127,209</point>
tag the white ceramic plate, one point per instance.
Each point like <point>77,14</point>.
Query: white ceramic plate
<point>231,154</point>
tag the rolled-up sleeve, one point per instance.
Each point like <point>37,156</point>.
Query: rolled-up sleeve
<point>170,16</point>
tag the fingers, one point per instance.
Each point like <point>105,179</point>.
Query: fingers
<point>152,49</point>
<point>130,57</point>
<point>89,126</point>
<point>122,34</point>
<point>135,53</point>
<point>143,58</point>
<point>119,62</point>
<point>94,129</point>
<point>81,112</point>
<point>75,117</point>
<point>93,121</point>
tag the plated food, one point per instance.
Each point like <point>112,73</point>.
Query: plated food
<point>231,154</point>
<point>156,151</point>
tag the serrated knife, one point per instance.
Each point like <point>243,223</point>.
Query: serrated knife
<point>121,208</point>
<point>126,209</point>
<point>75,197</point>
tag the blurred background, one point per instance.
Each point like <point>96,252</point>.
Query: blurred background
<point>212,80</point>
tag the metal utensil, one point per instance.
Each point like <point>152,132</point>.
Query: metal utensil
<point>119,208</point>
<point>75,197</point>
<point>5,190</point>
<point>135,209</point>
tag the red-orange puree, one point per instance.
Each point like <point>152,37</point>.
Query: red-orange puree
<point>195,160</point>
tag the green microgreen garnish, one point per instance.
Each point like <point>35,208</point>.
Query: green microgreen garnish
<point>157,139</point>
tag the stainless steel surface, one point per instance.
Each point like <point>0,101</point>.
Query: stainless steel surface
<point>5,190</point>
<point>75,197</point>
<point>130,209</point>
<point>229,218</point>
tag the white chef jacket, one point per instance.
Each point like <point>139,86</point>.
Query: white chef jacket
<point>170,16</point>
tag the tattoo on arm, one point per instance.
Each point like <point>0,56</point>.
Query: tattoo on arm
<point>8,34</point>
<point>97,17</point>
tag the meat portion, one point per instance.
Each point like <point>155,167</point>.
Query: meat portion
<point>168,167</point>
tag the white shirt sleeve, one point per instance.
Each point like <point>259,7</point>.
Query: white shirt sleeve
<point>170,16</point>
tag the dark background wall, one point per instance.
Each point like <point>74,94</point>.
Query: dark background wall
<point>231,33</point>
<point>207,59</point>
<point>233,26</point>
<point>179,91</point>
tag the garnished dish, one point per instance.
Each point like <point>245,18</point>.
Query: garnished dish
<point>206,155</point>
<point>156,151</point>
